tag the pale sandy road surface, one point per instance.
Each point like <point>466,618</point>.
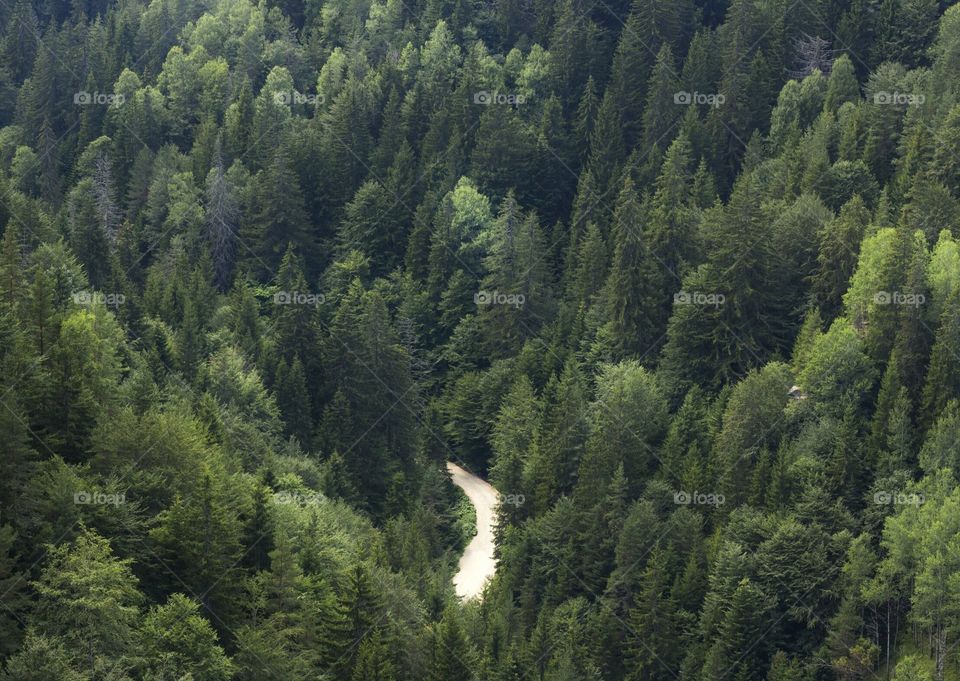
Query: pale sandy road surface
<point>477,564</point>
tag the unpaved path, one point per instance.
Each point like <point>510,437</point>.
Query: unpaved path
<point>477,563</point>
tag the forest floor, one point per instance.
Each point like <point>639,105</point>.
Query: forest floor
<point>477,563</point>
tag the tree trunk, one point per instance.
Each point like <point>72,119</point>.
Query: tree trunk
<point>941,646</point>
<point>888,639</point>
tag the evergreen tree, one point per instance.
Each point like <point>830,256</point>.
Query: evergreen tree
<point>175,639</point>
<point>839,242</point>
<point>373,660</point>
<point>294,401</point>
<point>199,539</point>
<point>652,625</point>
<point>743,641</point>
<point>222,220</point>
<point>89,597</point>
<point>12,584</point>
<point>634,285</point>
<point>278,218</point>
<point>943,382</point>
<point>452,656</point>
<point>660,115</point>
<point>561,438</point>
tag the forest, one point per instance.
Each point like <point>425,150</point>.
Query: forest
<point>679,278</point>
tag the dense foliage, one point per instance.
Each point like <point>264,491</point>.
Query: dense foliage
<point>679,277</point>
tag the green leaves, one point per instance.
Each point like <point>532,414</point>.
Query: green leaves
<point>90,598</point>
<point>176,640</point>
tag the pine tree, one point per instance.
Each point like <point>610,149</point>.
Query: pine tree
<point>176,639</point>
<point>238,122</point>
<point>347,140</point>
<point>50,180</point>
<point>839,244</point>
<point>88,239</point>
<point>222,220</point>
<point>742,646</point>
<point>373,660</point>
<point>12,264</point>
<point>552,189</point>
<point>391,134</point>
<point>43,657</point>
<point>294,401</point>
<point>452,657</point>
<point>651,657</point>
<point>661,114</point>
<point>590,271</point>
<point>18,463</point>
<point>585,118</point>
<point>629,416</point>
<point>650,26</point>
<point>259,529</point>
<point>12,586</point>
<point>283,584</point>
<point>569,51</point>
<point>513,435</point>
<point>561,438</point>
<point>943,375</point>
<point>606,145</point>
<point>377,219</point>
<point>278,217</point>
<point>295,325</point>
<point>842,85</point>
<point>916,21</point>
<point>672,220</point>
<point>634,287</point>
<point>199,538</point>
<point>504,155</point>
<point>89,597</point>
<point>713,343</point>
<point>632,63</point>
<point>516,265</point>
<point>361,602</point>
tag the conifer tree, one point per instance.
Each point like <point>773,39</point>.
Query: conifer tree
<point>199,538</point>
<point>89,597</point>
<point>943,380</point>
<point>278,218</point>
<point>452,657</point>
<point>633,288</point>
<point>222,220</point>
<point>176,639</point>
<point>651,625</point>
<point>606,145</point>
<point>661,115</point>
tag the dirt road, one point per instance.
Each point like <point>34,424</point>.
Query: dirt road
<point>476,563</point>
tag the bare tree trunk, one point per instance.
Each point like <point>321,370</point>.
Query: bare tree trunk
<point>941,646</point>
<point>888,639</point>
<point>222,221</point>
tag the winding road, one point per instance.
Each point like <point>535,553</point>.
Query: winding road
<point>477,563</point>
